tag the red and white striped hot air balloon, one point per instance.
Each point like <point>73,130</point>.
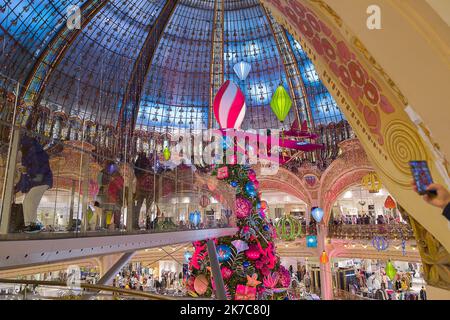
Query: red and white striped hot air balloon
<point>229,106</point>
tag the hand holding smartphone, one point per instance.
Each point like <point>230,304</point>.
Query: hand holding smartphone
<point>422,177</point>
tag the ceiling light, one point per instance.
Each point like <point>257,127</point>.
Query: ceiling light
<point>348,195</point>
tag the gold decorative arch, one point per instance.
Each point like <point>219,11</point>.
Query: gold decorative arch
<point>371,101</point>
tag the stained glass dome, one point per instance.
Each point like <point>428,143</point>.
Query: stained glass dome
<point>157,63</point>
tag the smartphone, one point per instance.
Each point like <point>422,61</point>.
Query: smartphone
<point>422,177</point>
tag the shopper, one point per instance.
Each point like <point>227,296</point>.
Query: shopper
<point>441,200</point>
<point>423,294</point>
<point>36,178</point>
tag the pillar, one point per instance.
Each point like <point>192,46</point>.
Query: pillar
<point>326,287</point>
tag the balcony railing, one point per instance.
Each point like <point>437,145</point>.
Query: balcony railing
<point>395,231</point>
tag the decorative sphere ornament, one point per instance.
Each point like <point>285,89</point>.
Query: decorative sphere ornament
<point>266,228</point>
<point>243,207</point>
<point>264,204</point>
<point>250,189</point>
<point>226,273</point>
<point>204,201</point>
<point>200,284</point>
<point>229,106</point>
<point>253,253</point>
<point>222,173</point>
<point>166,154</point>
<point>251,174</point>
<point>246,264</point>
<point>234,184</point>
<point>317,214</point>
<point>223,253</point>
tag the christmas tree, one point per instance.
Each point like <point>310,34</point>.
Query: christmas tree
<point>249,265</point>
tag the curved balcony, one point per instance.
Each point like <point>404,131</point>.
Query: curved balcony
<point>395,231</point>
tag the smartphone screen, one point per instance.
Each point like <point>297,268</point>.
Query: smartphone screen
<point>421,174</point>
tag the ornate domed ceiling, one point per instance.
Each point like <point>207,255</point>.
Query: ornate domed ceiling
<point>158,63</point>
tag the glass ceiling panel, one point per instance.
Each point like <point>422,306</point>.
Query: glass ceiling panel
<point>324,109</point>
<point>27,26</point>
<point>91,78</point>
<point>176,92</point>
<point>248,37</point>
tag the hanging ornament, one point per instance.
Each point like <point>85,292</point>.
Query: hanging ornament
<point>223,253</point>
<point>380,243</point>
<point>250,189</point>
<point>242,69</point>
<point>311,241</point>
<point>246,264</point>
<point>222,173</point>
<point>390,270</point>
<point>281,103</point>
<point>389,203</point>
<point>243,207</point>
<point>194,218</point>
<point>289,228</point>
<point>234,184</point>
<point>240,245</point>
<point>204,201</point>
<point>317,214</point>
<point>166,154</point>
<point>371,182</point>
<point>229,106</point>
<point>324,258</point>
<point>264,205</point>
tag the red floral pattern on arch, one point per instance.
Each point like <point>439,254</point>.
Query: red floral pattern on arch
<point>360,86</point>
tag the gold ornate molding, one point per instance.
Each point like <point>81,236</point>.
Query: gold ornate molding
<point>435,258</point>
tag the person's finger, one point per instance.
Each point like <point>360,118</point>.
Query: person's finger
<point>427,198</point>
<point>434,186</point>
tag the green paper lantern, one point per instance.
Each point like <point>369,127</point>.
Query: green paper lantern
<point>281,103</point>
<point>166,154</point>
<point>390,270</point>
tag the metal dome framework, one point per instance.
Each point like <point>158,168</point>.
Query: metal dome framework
<point>181,50</point>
